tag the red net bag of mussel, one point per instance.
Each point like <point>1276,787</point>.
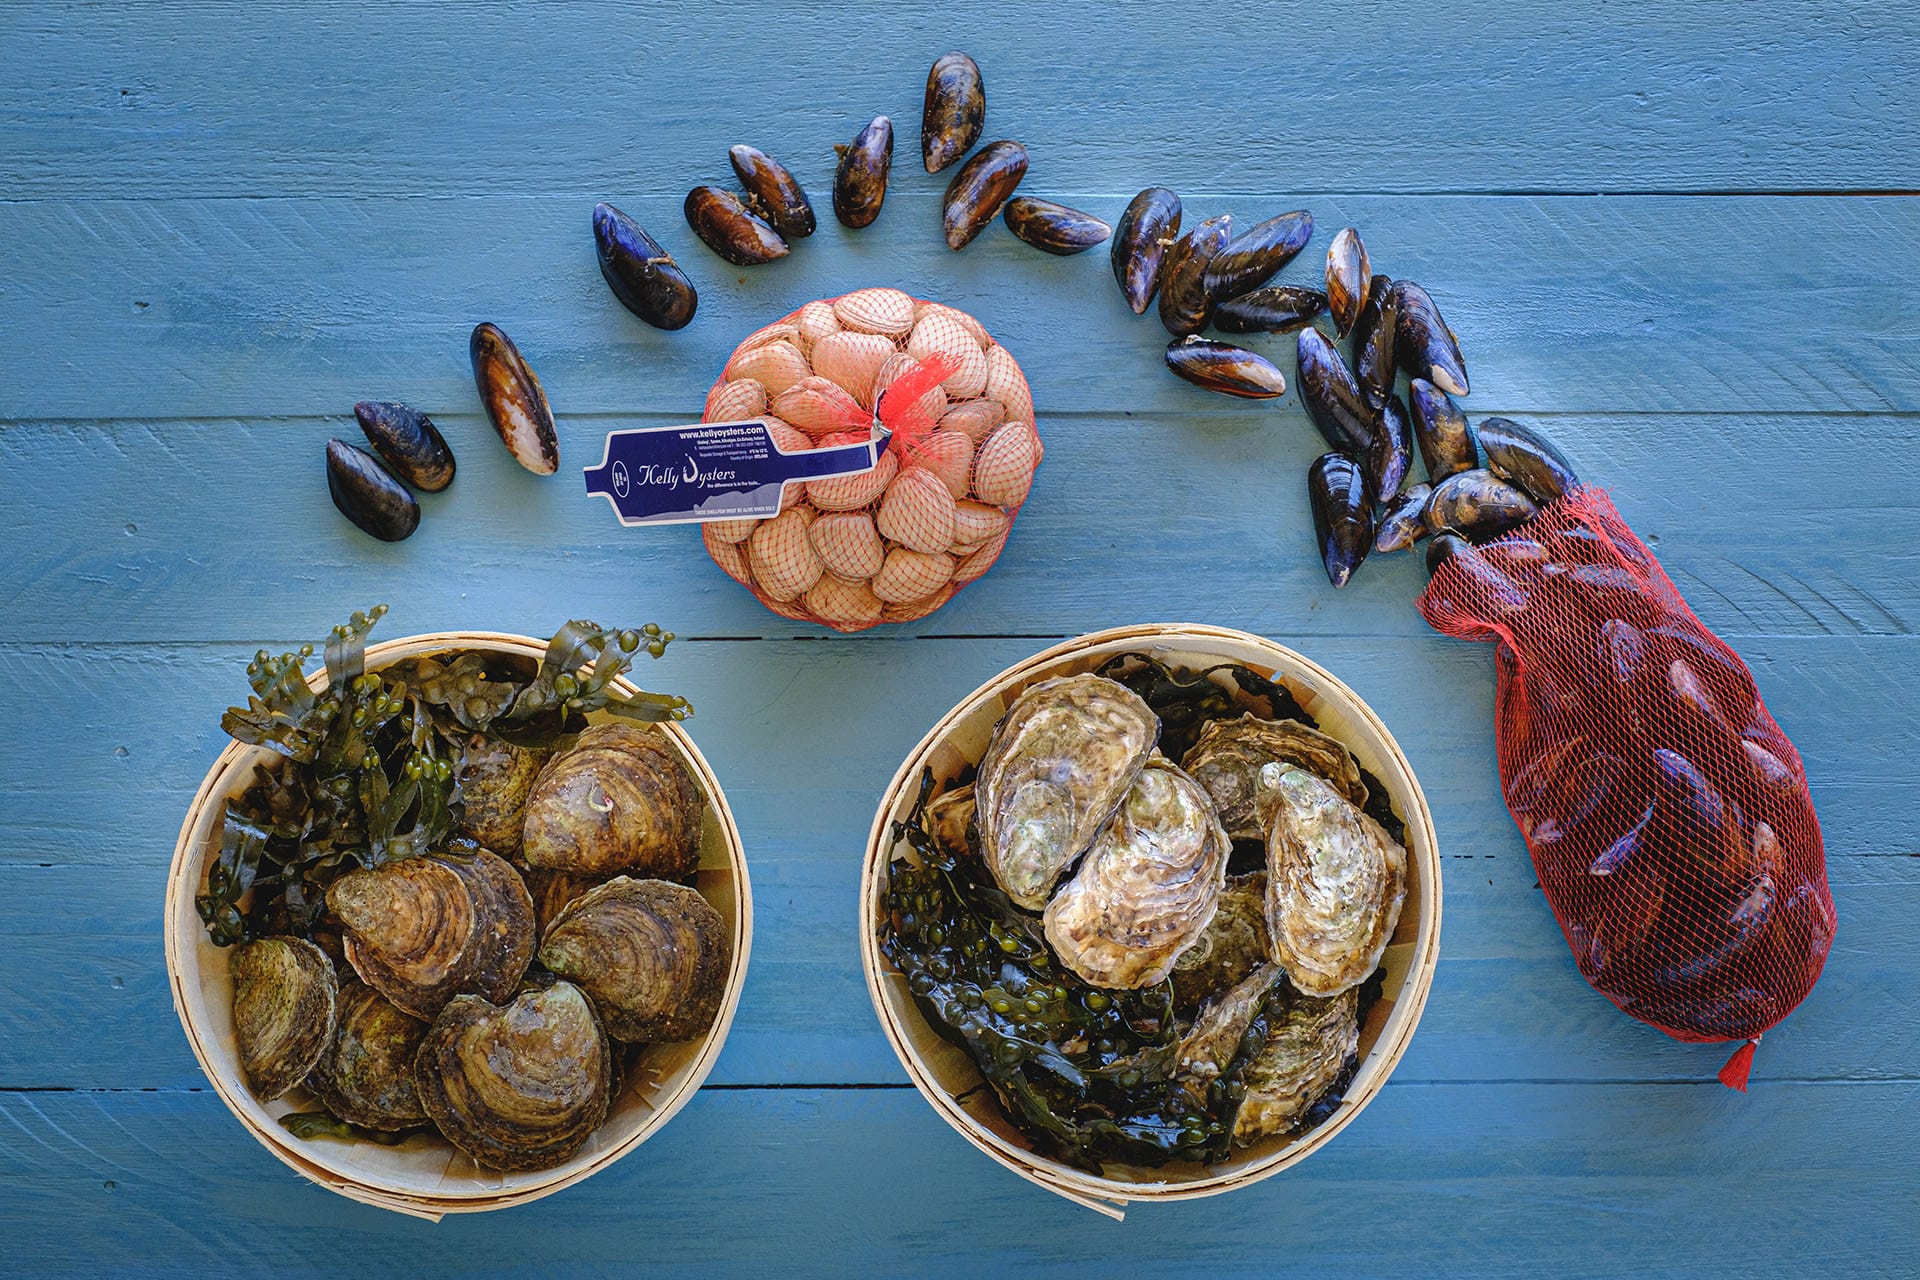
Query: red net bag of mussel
<point>895,543</point>
<point>1667,815</point>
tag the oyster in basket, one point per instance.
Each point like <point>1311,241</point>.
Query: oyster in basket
<point>1230,754</point>
<point>620,800</point>
<point>519,1086</point>
<point>948,818</point>
<point>283,1011</point>
<point>1213,1042</point>
<point>1232,947</point>
<point>1335,884</point>
<point>1061,760</point>
<point>653,956</point>
<point>495,777</point>
<point>1310,1047</point>
<point>365,1077</point>
<point>1148,887</point>
<point>423,930</point>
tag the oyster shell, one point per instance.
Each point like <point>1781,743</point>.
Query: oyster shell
<point>519,1086</point>
<point>1149,886</point>
<point>1230,754</point>
<point>1061,760</point>
<point>551,891</point>
<point>949,816</point>
<point>619,800</point>
<point>283,1011</point>
<point>652,955</point>
<point>495,778</point>
<point>365,1077</point>
<point>1309,1048</point>
<point>1210,1046</point>
<point>1233,945</point>
<point>423,930</point>
<point>1335,885</point>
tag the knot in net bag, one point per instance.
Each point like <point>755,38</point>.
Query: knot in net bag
<point>1667,815</point>
<point>895,543</point>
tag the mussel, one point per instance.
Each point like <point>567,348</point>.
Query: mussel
<point>954,112</point>
<point>1223,367</point>
<point>1522,456</point>
<point>1185,303</point>
<point>1342,514</point>
<point>652,955</point>
<point>1490,592</point>
<point>365,1077</point>
<point>1446,442</point>
<point>1279,308</point>
<point>1423,344</point>
<point>283,1011</point>
<point>408,442</point>
<point>1254,255</point>
<point>368,495</point>
<point>1335,884</point>
<point>981,186</point>
<point>1349,277</point>
<point>725,225</point>
<point>1390,452</point>
<point>1230,756</point>
<point>619,800</point>
<point>521,1085</point>
<point>494,779</point>
<point>1147,230</point>
<point>1405,520</point>
<point>860,179</point>
<point>642,275</point>
<point>1054,228</point>
<point>1373,366</point>
<point>1478,504</point>
<point>1332,397</point>
<point>772,192</point>
<point>514,400</point>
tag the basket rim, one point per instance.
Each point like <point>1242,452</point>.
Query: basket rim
<point>183,877</point>
<point>1104,1194</point>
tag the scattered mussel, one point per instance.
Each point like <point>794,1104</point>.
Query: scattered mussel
<point>1390,452</point>
<point>955,110</point>
<point>1523,457</point>
<point>1223,367</point>
<point>367,495</point>
<point>642,275</point>
<point>725,225</point>
<point>982,185</point>
<point>515,402</point>
<point>1373,365</point>
<point>1253,256</point>
<point>1185,301</point>
<point>860,179</point>
<point>1349,277</point>
<point>1147,230</point>
<point>1479,504</point>
<point>1054,228</point>
<point>1331,395</point>
<point>1446,442</point>
<point>1279,308</point>
<point>773,192</point>
<point>408,442</point>
<point>1423,344</point>
<point>1342,514</point>
<point>1404,522</point>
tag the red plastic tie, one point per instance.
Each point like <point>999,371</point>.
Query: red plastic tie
<point>900,409</point>
<point>1734,1074</point>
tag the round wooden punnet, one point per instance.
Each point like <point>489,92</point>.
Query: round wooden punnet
<point>944,1073</point>
<point>426,1176</point>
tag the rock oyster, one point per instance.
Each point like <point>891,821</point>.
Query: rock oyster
<point>652,955</point>
<point>1309,1048</point>
<point>1061,760</point>
<point>620,800</point>
<point>1230,754</point>
<point>1214,1040</point>
<point>1148,887</point>
<point>519,1086</point>
<point>365,1077</point>
<point>1233,945</point>
<point>423,930</point>
<point>1335,885</point>
<point>283,1011</point>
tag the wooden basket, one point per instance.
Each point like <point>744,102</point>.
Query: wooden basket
<point>425,1176</point>
<point>945,1074</point>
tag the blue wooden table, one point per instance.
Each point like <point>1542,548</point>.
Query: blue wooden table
<point>1672,236</point>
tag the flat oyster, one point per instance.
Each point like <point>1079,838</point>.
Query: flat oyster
<point>1149,886</point>
<point>283,1011</point>
<point>621,800</point>
<point>1335,885</point>
<point>1229,755</point>
<point>1309,1048</point>
<point>651,954</point>
<point>1232,947</point>
<point>366,1075</point>
<point>422,930</point>
<point>1061,760</point>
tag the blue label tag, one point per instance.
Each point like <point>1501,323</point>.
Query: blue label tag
<point>714,471</point>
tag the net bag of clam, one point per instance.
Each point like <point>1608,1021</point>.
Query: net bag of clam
<point>897,542</point>
<point>1667,815</point>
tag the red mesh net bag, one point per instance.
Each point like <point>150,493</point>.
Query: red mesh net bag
<point>896,543</point>
<point>1667,815</point>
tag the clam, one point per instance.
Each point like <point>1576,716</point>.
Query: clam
<point>917,511</point>
<point>423,930</point>
<point>1331,395</point>
<point>283,1011</point>
<point>1147,888</point>
<point>1309,1049</point>
<point>1147,229</point>
<point>1335,885</point>
<point>408,442</point>
<point>1404,522</point>
<point>1373,366</point>
<point>1279,308</point>
<point>642,275</point>
<point>1232,946</point>
<point>366,494</point>
<point>493,779</point>
<point>365,1077</point>
<point>1221,1025</point>
<point>619,800</point>
<point>845,604</point>
<point>1342,515</point>
<point>1446,442</point>
<point>1479,504</point>
<point>1253,256</point>
<point>652,955</point>
<point>725,225</point>
<point>954,112</point>
<point>1185,302</point>
<point>521,1085</point>
<point>979,188</point>
<point>1054,228</point>
<point>860,180</point>
<point>1524,457</point>
<point>908,576</point>
<point>773,191</point>
<point>1390,452</point>
<point>514,400</point>
<point>1223,367</point>
<point>1422,343</point>
<point>1349,279</point>
<point>1230,758</point>
<point>1060,762</point>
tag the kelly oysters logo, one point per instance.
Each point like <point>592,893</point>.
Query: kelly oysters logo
<point>714,471</point>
